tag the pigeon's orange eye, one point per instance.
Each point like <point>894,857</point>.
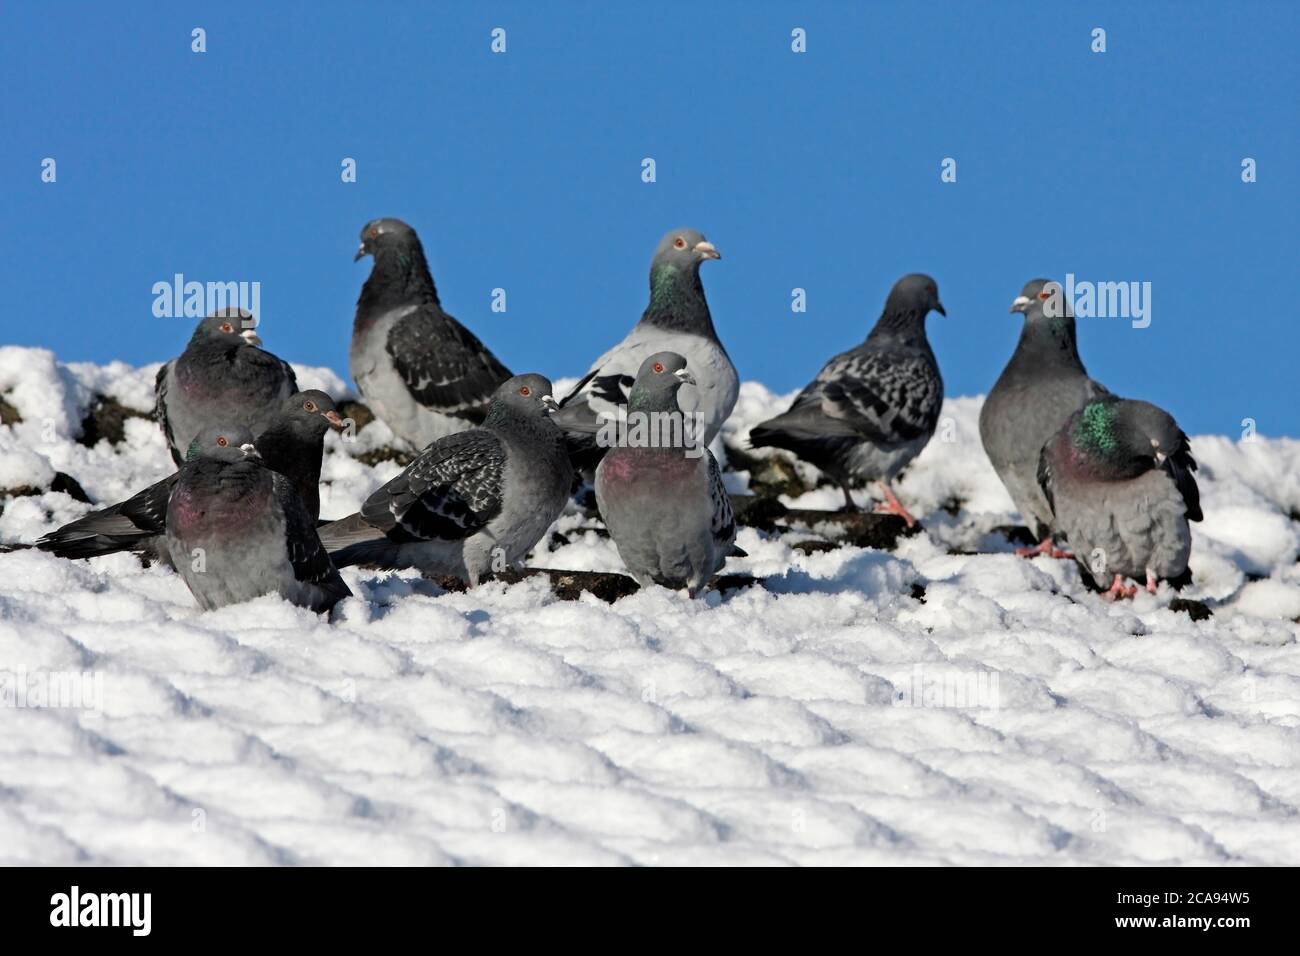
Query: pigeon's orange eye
<point>679,242</point>
<point>525,391</point>
<point>309,406</point>
<point>227,327</point>
<point>659,367</point>
<point>1044,295</point>
<point>222,441</point>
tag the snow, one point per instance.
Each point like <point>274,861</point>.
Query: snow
<point>828,717</point>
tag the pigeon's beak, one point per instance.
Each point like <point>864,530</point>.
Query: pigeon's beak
<point>361,253</point>
<point>938,307</point>
<point>250,451</point>
<point>251,337</point>
<point>333,418</point>
<point>686,377</point>
<point>707,250</point>
<point>549,403</point>
<point>1020,304</point>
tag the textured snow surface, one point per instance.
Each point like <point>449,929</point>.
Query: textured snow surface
<point>831,717</point>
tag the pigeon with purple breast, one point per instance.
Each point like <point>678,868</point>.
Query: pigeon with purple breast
<point>237,530</point>
<point>224,373</point>
<point>661,494</point>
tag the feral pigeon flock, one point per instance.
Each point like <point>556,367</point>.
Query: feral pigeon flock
<point>499,458</point>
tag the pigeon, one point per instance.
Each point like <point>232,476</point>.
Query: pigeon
<point>420,371</point>
<point>473,502</point>
<point>677,319</point>
<point>872,409</point>
<point>1042,385</point>
<point>292,445</point>
<point>237,530</point>
<point>661,494</point>
<point>221,368</point>
<point>1119,479</point>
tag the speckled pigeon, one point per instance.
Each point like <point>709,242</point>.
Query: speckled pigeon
<point>473,502</point>
<point>421,372</point>
<point>677,319</point>
<point>222,372</point>
<point>660,493</point>
<point>237,530</point>
<point>1044,383</point>
<point>872,409</point>
<point>292,445</point>
<point>1119,478</point>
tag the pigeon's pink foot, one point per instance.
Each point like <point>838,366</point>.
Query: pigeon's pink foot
<point>893,506</point>
<point>1152,584</point>
<point>1043,547</point>
<point>1118,590</point>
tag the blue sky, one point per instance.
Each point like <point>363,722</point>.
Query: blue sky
<point>523,171</point>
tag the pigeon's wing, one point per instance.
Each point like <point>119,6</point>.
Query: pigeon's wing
<point>886,395</point>
<point>260,365</point>
<point>450,492</point>
<point>1045,475</point>
<point>598,394</point>
<point>311,562</point>
<point>1181,467</point>
<point>118,527</point>
<point>443,364</point>
<point>724,522</point>
<point>160,404</point>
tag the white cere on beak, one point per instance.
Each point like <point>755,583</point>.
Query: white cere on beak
<point>707,249</point>
<point>549,402</point>
<point>250,451</point>
<point>686,377</point>
<point>251,337</point>
<point>1020,302</point>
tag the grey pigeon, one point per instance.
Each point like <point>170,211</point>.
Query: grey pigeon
<point>292,445</point>
<point>872,409</point>
<point>1042,385</point>
<point>661,495</point>
<point>237,530</point>
<point>420,371</point>
<point>1119,478</point>
<point>677,319</point>
<point>471,503</point>
<point>223,369</point>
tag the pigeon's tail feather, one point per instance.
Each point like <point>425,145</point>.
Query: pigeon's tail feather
<point>352,540</point>
<point>102,532</point>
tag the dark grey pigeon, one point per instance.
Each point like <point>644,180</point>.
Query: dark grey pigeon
<point>1120,479</point>
<point>872,409</point>
<point>222,369</point>
<point>421,372</point>
<point>237,530</point>
<point>292,445</point>
<point>471,503</point>
<point>677,319</point>
<point>660,492</point>
<point>1042,385</point>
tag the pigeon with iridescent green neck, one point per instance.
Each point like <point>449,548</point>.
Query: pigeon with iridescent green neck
<point>660,492</point>
<point>237,530</point>
<point>677,319</point>
<point>1042,385</point>
<point>1120,480</point>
